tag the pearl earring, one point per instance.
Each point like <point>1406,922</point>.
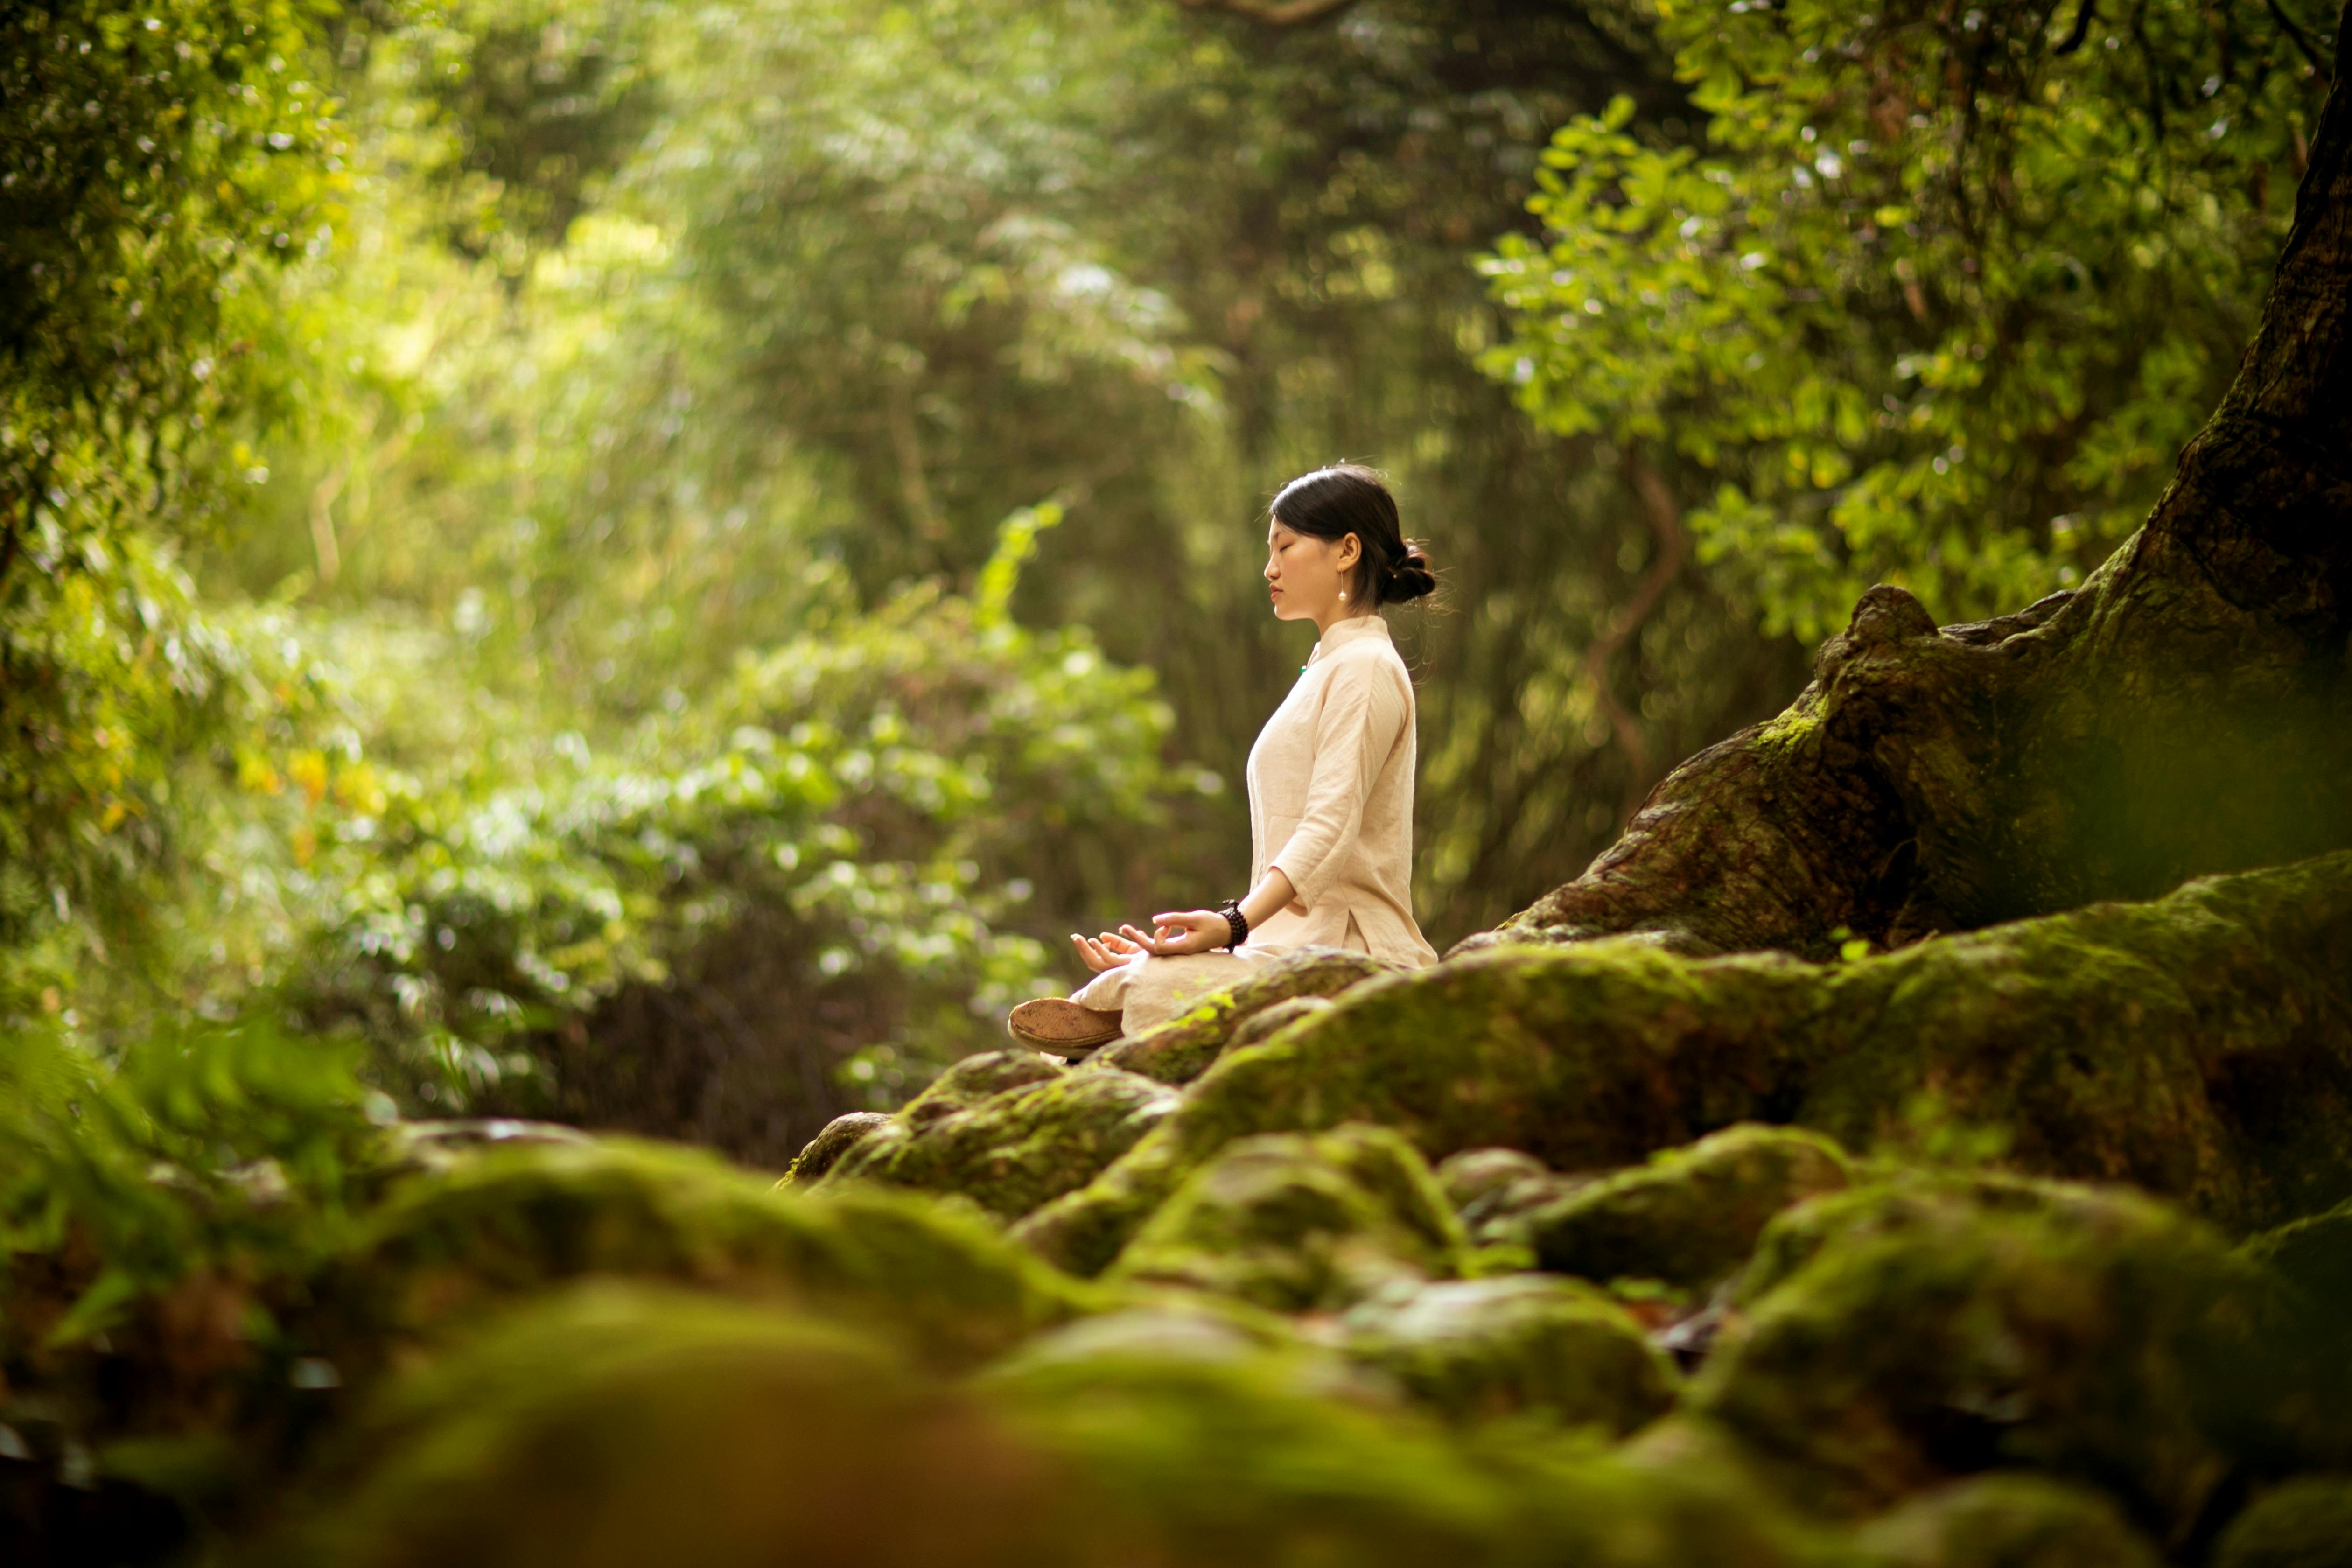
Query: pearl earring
<point>1343,595</point>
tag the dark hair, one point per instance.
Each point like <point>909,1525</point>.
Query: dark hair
<point>1347,498</point>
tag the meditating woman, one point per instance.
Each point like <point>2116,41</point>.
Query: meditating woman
<point>1330,786</point>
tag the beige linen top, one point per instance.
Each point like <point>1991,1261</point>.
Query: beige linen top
<point>1330,791</point>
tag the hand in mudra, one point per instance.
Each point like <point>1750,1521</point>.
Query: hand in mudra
<point>1107,950</point>
<point>1189,931</point>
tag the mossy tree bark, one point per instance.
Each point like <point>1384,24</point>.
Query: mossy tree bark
<point>2187,711</point>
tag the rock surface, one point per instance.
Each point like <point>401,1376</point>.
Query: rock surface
<point>1514,1344</point>
<point>2005,1522</point>
<point>511,1222</point>
<point>1898,1336</point>
<point>2306,1524</point>
<point>1016,1148</point>
<point>1296,1223</point>
<point>1690,1215</point>
<point>2198,1045</point>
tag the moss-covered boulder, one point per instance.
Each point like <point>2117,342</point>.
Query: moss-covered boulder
<point>1265,1025</point>
<point>1300,1223</point>
<point>618,1425</point>
<point>1514,1344</point>
<point>2313,1258</point>
<point>2306,1523</point>
<point>1241,1455</point>
<point>2315,1255</point>
<point>2198,1044</point>
<point>980,1076</point>
<point>1690,1215</point>
<point>1181,1050</point>
<point>1017,1149</point>
<point>1494,1189</point>
<point>511,1222</point>
<point>1893,1338</point>
<point>836,1139</point>
<point>2006,1521</point>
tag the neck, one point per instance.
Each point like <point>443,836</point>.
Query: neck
<point>1337,613</point>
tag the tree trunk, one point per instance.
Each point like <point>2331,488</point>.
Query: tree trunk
<point>2187,711</point>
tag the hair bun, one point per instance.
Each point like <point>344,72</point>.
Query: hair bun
<point>1409,577</point>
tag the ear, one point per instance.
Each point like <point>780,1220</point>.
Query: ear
<point>1351,550</point>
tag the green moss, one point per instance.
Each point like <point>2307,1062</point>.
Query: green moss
<point>2314,1255</point>
<point>1493,1190</point>
<point>1516,1344</point>
<point>1691,1215</point>
<point>2306,1524</point>
<point>1935,1329</point>
<point>2005,1522</point>
<point>838,1137</point>
<point>1026,1146</point>
<point>2313,1259</point>
<point>978,1078</point>
<point>1296,1223</point>
<point>620,1425</point>
<point>513,1222</point>
<point>1181,1050</point>
<point>1219,1453</point>
<point>2199,1045</point>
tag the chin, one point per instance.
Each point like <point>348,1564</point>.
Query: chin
<point>1284,610</point>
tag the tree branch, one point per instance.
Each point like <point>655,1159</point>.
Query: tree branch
<point>2082,18</point>
<point>2302,40</point>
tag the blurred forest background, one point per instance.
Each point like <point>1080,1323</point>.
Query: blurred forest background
<point>642,562</point>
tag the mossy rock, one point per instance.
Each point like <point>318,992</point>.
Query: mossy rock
<point>1272,1021</point>
<point>611,1425</point>
<point>1475,1174</point>
<point>2198,1044</point>
<point>836,1139</point>
<point>511,1222</point>
<point>2306,1523</point>
<point>1515,1344</point>
<point>1494,1189</point>
<point>2005,1520</point>
<point>1257,1456</point>
<point>1898,1337</point>
<point>1169,1327</point>
<point>1021,1147</point>
<point>1181,1050</point>
<point>618,1425</point>
<point>1691,1215</point>
<point>980,1076</point>
<point>1298,1223</point>
<point>2315,1255</point>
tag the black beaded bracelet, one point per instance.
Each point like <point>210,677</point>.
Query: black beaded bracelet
<point>1236,923</point>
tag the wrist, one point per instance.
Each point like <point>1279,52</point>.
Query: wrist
<point>1236,923</point>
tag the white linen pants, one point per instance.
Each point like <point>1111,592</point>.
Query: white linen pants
<point>1152,991</point>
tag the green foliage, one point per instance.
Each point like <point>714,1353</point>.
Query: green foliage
<point>158,166</point>
<point>1942,293</point>
<point>228,1147</point>
<point>871,789</point>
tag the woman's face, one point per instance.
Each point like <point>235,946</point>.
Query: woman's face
<point>1304,574</point>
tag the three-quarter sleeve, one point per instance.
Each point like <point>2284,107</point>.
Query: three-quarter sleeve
<point>1356,727</point>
